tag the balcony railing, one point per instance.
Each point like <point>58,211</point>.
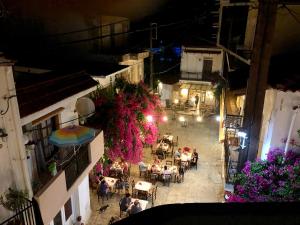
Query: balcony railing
<point>233,121</point>
<point>191,76</point>
<point>76,166</point>
<point>25,215</point>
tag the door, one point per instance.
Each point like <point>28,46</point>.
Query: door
<point>207,67</point>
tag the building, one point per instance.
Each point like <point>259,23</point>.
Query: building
<point>36,100</point>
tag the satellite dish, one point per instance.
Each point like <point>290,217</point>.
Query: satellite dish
<point>85,107</point>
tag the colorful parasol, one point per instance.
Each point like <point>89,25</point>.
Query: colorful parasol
<point>71,136</point>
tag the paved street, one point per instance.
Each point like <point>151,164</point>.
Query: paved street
<point>202,185</point>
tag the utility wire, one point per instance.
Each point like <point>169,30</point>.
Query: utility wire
<point>167,70</point>
<point>120,33</point>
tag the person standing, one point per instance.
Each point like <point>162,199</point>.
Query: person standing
<point>196,101</point>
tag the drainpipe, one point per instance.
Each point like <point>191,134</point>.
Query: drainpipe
<point>296,108</point>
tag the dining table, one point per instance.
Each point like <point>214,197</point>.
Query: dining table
<point>143,186</point>
<point>111,182</point>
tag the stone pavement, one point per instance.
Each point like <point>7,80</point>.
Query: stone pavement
<point>206,184</point>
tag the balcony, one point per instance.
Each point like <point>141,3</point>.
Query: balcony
<point>60,187</point>
<point>27,214</point>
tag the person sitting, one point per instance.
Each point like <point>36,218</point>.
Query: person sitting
<point>125,202</point>
<point>177,153</point>
<point>166,174</point>
<point>142,167</point>
<point>135,208</point>
<point>156,160</point>
<point>103,189</point>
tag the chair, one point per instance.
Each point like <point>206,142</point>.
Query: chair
<point>175,142</point>
<point>153,178</point>
<point>169,163</point>
<point>167,179</point>
<point>184,164</point>
<point>152,194</point>
<point>160,153</point>
<point>142,169</point>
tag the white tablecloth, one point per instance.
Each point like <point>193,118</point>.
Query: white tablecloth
<point>111,181</point>
<point>143,186</point>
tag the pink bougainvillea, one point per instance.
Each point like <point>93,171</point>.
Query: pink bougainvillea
<point>121,115</point>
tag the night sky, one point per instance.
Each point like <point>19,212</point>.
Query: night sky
<point>28,23</point>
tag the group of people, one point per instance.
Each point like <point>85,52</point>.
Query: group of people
<point>126,205</point>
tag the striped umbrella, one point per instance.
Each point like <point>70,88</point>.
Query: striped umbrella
<point>71,136</point>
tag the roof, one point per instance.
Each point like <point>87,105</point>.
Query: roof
<point>38,91</point>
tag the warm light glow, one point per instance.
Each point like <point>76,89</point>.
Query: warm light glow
<point>193,99</point>
<point>199,118</point>
<point>210,94</point>
<point>184,92</point>
<point>176,101</point>
<point>165,118</point>
<point>149,118</point>
<point>218,118</point>
<point>181,119</point>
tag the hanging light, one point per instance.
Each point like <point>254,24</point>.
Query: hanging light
<point>165,118</point>
<point>218,118</point>
<point>181,119</point>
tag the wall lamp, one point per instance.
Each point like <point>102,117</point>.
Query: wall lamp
<point>3,135</point>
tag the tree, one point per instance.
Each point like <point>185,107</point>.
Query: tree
<point>121,112</point>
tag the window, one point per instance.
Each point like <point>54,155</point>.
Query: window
<point>43,150</point>
<point>68,209</point>
<point>57,219</point>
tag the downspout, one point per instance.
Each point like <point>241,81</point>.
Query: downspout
<point>296,108</point>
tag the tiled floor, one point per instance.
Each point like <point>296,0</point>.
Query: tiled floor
<point>202,185</point>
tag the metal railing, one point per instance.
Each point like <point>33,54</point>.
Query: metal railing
<point>76,166</point>
<point>24,215</point>
<point>233,121</point>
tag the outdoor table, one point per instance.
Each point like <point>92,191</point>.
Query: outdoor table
<point>168,137</point>
<point>163,146</point>
<point>143,186</point>
<point>143,203</point>
<point>186,156</point>
<point>111,182</point>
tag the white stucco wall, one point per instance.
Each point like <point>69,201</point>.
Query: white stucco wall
<point>13,167</point>
<point>277,118</point>
<point>193,61</point>
<point>166,92</point>
<point>84,199</point>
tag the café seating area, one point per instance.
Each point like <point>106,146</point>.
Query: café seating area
<point>162,170</point>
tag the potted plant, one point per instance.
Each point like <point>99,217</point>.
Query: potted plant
<point>52,168</point>
<point>13,199</point>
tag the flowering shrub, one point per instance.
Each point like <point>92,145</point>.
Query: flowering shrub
<point>274,179</point>
<point>120,113</point>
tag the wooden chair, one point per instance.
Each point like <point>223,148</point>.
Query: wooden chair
<point>169,163</point>
<point>175,142</point>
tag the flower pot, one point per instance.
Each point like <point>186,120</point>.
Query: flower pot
<point>52,168</point>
